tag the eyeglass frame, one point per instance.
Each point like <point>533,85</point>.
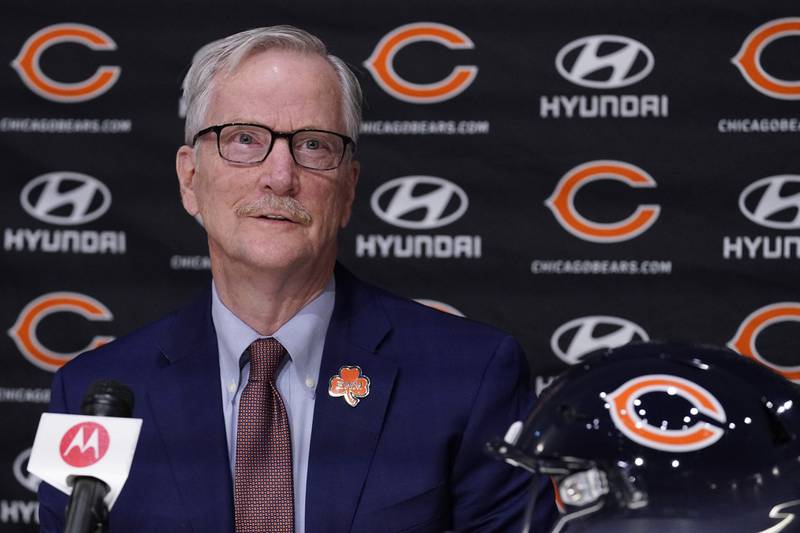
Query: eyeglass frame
<point>274,135</point>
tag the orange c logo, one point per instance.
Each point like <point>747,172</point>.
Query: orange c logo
<point>744,341</point>
<point>439,306</point>
<point>27,63</point>
<point>748,60</point>
<point>562,202</point>
<point>381,63</point>
<point>24,330</point>
<point>623,410</point>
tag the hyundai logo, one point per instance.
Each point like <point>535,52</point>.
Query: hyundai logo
<point>604,61</point>
<point>65,198</point>
<point>20,468</point>
<point>584,335</point>
<point>763,202</point>
<point>419,202</point>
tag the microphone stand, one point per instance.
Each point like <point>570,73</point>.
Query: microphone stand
<point>87,493</point>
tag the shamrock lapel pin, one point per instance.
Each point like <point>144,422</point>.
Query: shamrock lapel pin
<point>350,384</point>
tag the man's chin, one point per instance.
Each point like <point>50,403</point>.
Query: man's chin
<point>275,257</point>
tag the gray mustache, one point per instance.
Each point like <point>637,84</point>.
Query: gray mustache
<point>271,203</point>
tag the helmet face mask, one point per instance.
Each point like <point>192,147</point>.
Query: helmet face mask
<point>666,437</point>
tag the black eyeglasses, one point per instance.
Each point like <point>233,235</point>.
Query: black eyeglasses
<point>251,143</point>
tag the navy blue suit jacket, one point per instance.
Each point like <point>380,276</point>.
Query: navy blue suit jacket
<point>408,458</point>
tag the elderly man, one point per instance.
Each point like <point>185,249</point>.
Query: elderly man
<point>290,396</point>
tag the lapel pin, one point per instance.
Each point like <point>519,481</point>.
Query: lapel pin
<point>349,384</point>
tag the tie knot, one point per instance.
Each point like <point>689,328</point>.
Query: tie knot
<point>265,356</point>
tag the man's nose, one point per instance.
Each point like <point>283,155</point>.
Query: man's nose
<point>279,171</point>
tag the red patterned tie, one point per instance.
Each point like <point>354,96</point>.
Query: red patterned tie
<point>263,486</point>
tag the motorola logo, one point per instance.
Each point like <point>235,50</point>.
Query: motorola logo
<point>773,202</point>
<point>604,61</point>
<point>65,198</point>
<point>84,444</point>
<point>581,336</point>
<point>419,202</point>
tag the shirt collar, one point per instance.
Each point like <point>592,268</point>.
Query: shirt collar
<point>303,335</point>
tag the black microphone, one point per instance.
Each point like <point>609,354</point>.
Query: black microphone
<point>86,511</point>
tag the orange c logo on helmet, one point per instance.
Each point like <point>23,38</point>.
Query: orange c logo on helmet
<point>744,341</point>
<point>27,63</point>
<point>623,410</point>
<point>562,202</point>
<point>748,60</point>
<point>24,329</point>
<point>381,63</point>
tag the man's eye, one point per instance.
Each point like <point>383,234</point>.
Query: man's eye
<point>312,144</point>
<point>242,137</point>
<point>245,138</point>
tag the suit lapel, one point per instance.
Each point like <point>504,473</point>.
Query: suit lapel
<point>343,438</point>
<point>185,392</point>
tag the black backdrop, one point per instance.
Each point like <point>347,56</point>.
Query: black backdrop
<point>595,173</point>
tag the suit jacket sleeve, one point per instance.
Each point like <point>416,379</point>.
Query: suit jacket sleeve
<point>491,496</point>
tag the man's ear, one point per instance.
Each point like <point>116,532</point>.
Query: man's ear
<point>186,168</point>
<point>349,191</point>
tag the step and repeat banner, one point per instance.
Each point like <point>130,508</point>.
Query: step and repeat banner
<point>581,174</point>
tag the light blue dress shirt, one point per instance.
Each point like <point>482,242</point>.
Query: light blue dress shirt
<point>303,336</point>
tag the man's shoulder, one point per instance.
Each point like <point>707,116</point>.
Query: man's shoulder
<point>430,315</point>
<point>423,325</point>
<point>138,349</point>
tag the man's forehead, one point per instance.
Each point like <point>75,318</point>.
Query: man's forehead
<point>283,60</point>
<point>280,80</point>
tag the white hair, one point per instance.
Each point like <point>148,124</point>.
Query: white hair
<point>224,55</point>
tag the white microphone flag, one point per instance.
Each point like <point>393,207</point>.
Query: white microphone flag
<point>79,445</point>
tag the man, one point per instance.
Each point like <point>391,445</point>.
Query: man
<point>371,412</point>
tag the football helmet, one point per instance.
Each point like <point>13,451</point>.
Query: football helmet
<point>666,437</point>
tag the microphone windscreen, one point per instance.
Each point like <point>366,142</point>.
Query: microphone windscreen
<point>107,397</point>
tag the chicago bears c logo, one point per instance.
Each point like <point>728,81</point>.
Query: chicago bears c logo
<point>744,341</point>
<point>623,410</point>
<point>748,60</point>
<point>439,306</point>
<point>562,202</point>
<point>27,63</point>
<point>381,63</point>
<point>24,330</point>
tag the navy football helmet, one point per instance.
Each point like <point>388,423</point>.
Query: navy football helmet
<point>668,438</point>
